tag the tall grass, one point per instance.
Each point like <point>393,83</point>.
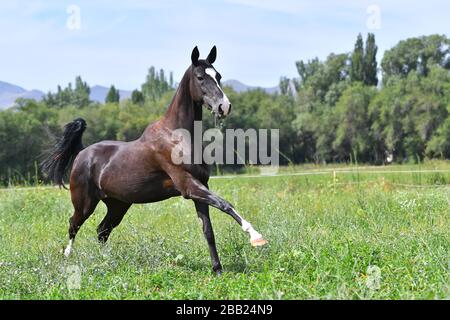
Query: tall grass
<point>325,240</point>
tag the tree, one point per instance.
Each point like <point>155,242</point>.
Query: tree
<point>113,95</point>
<point>321,85</point>
<point>137,97</point>
<point>439,146</point>
<point>370,61</point>
<point>353,131</point>
<point>68,96</point>
<point>288,87</point>
<point>24,134</point>
<point>284,85</point>
<point>408,115</point>
<point>330,119</point>
<point>416,55</point>
<point>81,93</point>
<point>357,61</point>
<point>308,69</point>
<point>156,85</point>
<point>317,77</point>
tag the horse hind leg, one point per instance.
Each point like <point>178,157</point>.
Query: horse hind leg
<point>116,211</point>
<point>84,205</point>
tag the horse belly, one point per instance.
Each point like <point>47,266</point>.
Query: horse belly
<point>151,193</point>
<point>141,189</point>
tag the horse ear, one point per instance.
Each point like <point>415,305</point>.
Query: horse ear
<point>212,55</point>
<point>194,56</point>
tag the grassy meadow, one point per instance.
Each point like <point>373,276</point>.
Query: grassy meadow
<point>367,233</point>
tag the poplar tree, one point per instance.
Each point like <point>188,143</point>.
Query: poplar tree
<point>113,95</point>
<point>357,61</point>
<point>370,61</point>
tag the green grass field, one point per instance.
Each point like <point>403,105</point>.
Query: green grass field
<point>363,235</point>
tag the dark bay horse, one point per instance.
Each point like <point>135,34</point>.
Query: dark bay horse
<point>142,171</point>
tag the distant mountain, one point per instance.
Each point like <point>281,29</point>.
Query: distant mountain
<point>99,93</point>
<point>11,88</point>
<point>241,87</point>
<point>10,92</point>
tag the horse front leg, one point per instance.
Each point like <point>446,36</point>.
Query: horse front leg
<point>192,188</point>
<point>203,214</point>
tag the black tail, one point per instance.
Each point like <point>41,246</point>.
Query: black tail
<point>64,152</point>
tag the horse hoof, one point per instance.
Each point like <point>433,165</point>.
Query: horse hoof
<point>67,252</point>
<point>217,270</point>
<point>259,242</point>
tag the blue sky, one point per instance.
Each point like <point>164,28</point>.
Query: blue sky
<point>258,40</point>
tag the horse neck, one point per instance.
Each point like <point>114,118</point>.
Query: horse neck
<point>183,111</point>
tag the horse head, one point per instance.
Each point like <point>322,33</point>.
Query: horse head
<point>205,84</point>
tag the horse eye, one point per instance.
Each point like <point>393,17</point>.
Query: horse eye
<point>200,78</point>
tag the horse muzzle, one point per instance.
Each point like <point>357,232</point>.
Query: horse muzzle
<point>221,107</point>
<point>224,109</point>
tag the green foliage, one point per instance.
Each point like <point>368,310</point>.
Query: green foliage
<point>364,61</point>
<point>137,97</point>
<point>156,85</point>
<point>25,132</point>
<point>439,145</point>
<point>416,55</point>
<point>353,132</point>
<point>81,93</point>
<point>357,65</point>
<point>68,96</point>
<point>113,95</point>
<point>319,77</point>
<point>407,113</point>
<point>284,85</point>
<point>338,117</point>
<point>370,61</point>
<point>336,114</point>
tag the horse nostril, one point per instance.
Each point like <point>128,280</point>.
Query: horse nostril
<point>220,109</point>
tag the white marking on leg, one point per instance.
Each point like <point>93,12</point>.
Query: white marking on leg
<point>247,227</point>
<point>68,248</point>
